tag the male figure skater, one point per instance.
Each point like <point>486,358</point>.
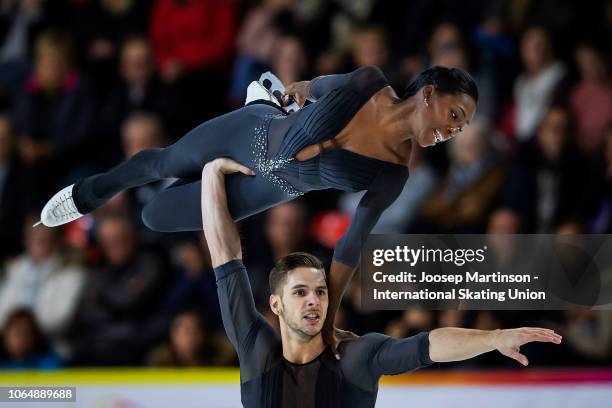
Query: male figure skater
<point>298,369</point>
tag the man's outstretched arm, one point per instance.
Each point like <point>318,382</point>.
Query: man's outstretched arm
<point>219,227</point>
<point>455,344</point>
<point>391,356</point>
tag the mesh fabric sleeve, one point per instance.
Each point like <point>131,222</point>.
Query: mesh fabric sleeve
<point>368,357</point>
<point>366,80</point>
<point>247,329</point>
<point>384,190</point>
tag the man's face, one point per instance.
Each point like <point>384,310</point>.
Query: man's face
<point>302,304</point>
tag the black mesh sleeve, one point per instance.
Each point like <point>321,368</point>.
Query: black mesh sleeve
<point>367,80</point>
<point>385,189</point>
<point>247,329</point>
<point>397,356</point>
<point>368,357</point>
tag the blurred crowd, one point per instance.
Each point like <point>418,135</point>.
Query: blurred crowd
<point>85,84</point>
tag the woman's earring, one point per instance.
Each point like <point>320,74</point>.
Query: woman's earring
<point>426,102</point>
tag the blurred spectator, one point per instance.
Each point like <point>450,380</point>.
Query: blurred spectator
<point>20,22</point>
<point>191,345</point>
<point>411,322</point>
<point>451,318</point>
<point>193,41</point>
<point>191,34</point>
<point>139,90</point>
<point>289,61</point>
<point>12,192</point>
<point>142,130</point>
<point>452,56</point>
<point>447,49</point>
<point>23,344</point>
<point>599,189</point>
<point>45,280</point>
<point>357,320</point>
<point>195,287</point>
<point>591,98</point>
<point>496,61</point>
<point>53,112</point>
<point>504,221</point>
<point>371,47</point>
<point>419,16</point>
<point>99,27</point>
<point>570,227</point>
<point>118,317</point>
<point>547,181</point>
<point>119,205</point>
<point>445,35</point>
<point>286,231</point>
<point>505,245</point>
<point>534,89</point>
<point>589,333</point>
<point>255,44</point>
<point>466,195</point>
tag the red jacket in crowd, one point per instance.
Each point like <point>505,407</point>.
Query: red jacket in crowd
<point>196,33</point>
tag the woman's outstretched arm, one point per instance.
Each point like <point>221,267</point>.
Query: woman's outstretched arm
<point>363,79</point>
<point>339,277</point>
<point>385,189</point>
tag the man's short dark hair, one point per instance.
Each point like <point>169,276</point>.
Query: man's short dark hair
<point>278,275</point>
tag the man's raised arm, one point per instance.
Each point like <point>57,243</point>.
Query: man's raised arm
<point>246,328</point>
<point>219,227</point>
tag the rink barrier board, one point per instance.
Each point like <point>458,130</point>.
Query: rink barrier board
<point>520,377</point>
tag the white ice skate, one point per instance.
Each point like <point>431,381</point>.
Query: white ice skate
<point>257,92</point>
<point>276,88</point>
<point>269,88</point>
<point>60,209</point>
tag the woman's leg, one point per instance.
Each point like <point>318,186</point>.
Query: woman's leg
<point>178,207</point>
<point>228,135</point>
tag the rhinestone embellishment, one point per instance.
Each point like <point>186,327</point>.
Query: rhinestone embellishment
<point>266,166</point>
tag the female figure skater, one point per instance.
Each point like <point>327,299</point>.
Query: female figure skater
<point>356,135</point>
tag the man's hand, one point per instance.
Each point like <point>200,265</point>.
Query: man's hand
<point>299,91</point>
<point>334,337</point>
<point>226,166</point>
<point>509,342</point>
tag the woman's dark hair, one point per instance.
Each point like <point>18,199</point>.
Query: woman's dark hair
<point>444,80</point>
